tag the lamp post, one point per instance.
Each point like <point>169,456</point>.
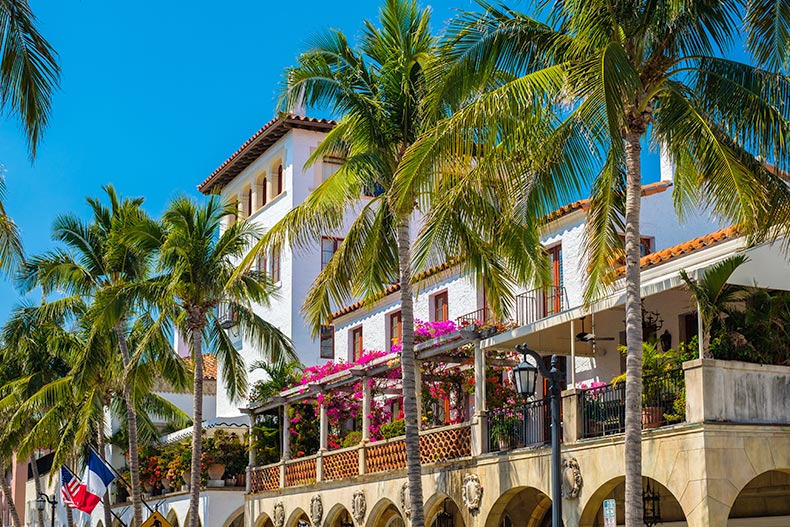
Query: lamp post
<point>525,376</point>
<point>41,503</point>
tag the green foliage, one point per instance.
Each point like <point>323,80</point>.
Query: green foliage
<point>305,434</point>
<point>352,438</point>
<point>279,375</point>
<point>266,439</point>
<point>396,428</point>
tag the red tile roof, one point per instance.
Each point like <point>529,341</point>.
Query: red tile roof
<point>584,204</point>
<point>396,287</point>
<point>209,366</point>
<point>664,255</point>
<point>256,145</point>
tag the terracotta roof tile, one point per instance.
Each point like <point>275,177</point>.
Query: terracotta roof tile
<point>256,145</point>
<point>209,366</point>
<point>584,204</point>
<point>664,255</point>
<point>396,287</point>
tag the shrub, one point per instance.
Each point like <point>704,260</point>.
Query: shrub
<point>396,428</point>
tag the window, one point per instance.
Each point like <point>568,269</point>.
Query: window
<point>279,180</point>
<point>645,246</point>
<point>329,246</point>
<point>330,165</point>
<point>327,342</point>
<point>395,327</point>
<point>440,307</point>
<point>552,301</point>
<point>261,263</point>
<point>261,189</point>
<point>249,210</point>
<point>356,343</point>
<point>275,266</point>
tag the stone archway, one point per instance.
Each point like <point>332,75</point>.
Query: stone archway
<point>298,518</point>
<point>337,516</point>
<point>531,506</point>
<point>264,520</point>
<point>764,501</point>
<point>172,518</point>
<point>385,514</point>
<point>235,518</point>
<point>442,503</point>
<point>592,515</point>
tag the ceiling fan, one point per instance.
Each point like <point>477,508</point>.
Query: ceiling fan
<point>583,336</point>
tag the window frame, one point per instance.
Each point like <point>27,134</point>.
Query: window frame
<point>336,243</point>
<point>327,333</point>
<point>276,266</point>
<point>435,307</point>
<point>354,333</point>
<point>280,179</point>
<point>392,335</point>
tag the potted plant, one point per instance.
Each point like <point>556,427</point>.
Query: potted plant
<point>502,429</point>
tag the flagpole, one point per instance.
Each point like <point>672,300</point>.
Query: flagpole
<point>119,477</point>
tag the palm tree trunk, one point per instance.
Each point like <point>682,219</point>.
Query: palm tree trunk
<point>197,428</point>
<point>9,496</point>
<point>408,375</point>
<point>37,485</point>
<point>70,517</point>
<point>106,497</point>
<point>633,330</point>
<point>131,423</point>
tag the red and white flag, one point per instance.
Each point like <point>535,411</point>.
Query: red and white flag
<point>85,495</point>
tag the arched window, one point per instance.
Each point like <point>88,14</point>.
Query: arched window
<point>280,179</point>
<point>260,187</point>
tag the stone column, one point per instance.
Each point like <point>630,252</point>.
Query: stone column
<point>573,354</point>
<point>323,425</point>
<point>365,409</point>
<point>572,426</point>
<point>480,421</point>
<point>286,446</point>
<point>251,461</point>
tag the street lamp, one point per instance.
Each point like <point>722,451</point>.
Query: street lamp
<point>41,504</point>
<point>525,376</point>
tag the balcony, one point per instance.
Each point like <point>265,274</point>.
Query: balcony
<point>528,425</point>
<point>540,303</point>
<point>438,445</point>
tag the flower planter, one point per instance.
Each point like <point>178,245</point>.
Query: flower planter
<point>652,416</point>
<point>149,488</point>
<point>469,332</point>
<point>215,471</point>
<point>504,442</point>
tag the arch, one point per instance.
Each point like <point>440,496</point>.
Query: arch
<point>592,514</point>
<point>186,521</point>
<point>235,518</point>
<point>172,518</point>
<point>261,198</point>
<point>337,514</point>
<point>441,502</point>
<point>100,524</point>
<point>521,502</point>
<point>766,495</point>
<point>297,516</point>
<point>264,520</point>
<point>280,180</point>
<point>385,514</point>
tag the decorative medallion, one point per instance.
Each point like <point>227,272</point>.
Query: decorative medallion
<point>359,506</point>
<point>405,499</point>
<point>279,514</point>
<point>316,510</point>
<point>571,478</point>
<point>472,492</point>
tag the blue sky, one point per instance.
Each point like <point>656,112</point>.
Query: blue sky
<point>155,96</point>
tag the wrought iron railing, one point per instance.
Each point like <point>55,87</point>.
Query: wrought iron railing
<point>521,426</point>
<point>226,315</point>
<point>603,407</point>
<point>540,303</point>
<point>481,316</point>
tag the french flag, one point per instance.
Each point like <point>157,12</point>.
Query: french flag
<point>91,490</point>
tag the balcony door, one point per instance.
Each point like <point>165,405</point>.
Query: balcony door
<point>552,296</point>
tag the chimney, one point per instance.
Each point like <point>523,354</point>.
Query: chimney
<point>667,165</point>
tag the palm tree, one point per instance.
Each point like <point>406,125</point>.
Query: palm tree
<point>97,269</point>
<point>10,241</point>
<point>567,98</point>
<point>380,89</point>
<point>713,294</point>
<point>197,275</point>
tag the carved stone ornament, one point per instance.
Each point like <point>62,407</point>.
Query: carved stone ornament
<point>571,478</point>
<point>472,492</point>
<point>279,514</point>
<point>359,506</point>
<point>316,510</point>
<point>405,499</point>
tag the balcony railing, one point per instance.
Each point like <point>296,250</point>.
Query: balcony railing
<point>226,315</point>
<point>522,426</point>
<point>481,316</point>
<point>436,446</point>
<point>603,407</point>
<point>540,303</point>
